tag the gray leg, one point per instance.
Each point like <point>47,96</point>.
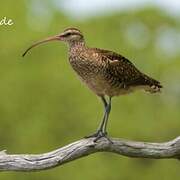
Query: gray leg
<point>108,110</point>
<point>101,132</point>
<point>105,114</point>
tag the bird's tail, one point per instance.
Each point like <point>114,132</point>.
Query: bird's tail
<point>152,85</point>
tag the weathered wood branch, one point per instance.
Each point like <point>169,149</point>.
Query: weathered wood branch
<point>84,147</point>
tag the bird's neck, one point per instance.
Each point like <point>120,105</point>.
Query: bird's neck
<point>75,46</point>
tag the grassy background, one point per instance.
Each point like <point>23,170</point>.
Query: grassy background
<point>44,106</point>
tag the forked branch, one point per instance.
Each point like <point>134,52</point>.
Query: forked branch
<point>84,147</point>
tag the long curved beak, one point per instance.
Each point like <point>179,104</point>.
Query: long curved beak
<point>57,37</point>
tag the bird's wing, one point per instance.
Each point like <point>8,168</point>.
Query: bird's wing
<point>112,56</point>
<point>120,67</point>
<point>123,69</point>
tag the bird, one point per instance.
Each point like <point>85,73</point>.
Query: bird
<point>106,73</point>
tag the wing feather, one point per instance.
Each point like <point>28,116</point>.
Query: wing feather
<point>124,70</point>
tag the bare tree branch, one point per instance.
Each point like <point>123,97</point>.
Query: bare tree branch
<point>84,147</point>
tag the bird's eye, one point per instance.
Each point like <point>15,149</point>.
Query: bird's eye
<point>68,34</point>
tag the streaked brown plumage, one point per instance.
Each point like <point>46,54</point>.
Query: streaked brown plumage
<point>105,72</point>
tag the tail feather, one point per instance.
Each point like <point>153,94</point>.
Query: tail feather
<point>153,85</point>
<point>147,83</point>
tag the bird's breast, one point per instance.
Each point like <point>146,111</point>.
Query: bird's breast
<point>90,73</point>
<point>95,75</point>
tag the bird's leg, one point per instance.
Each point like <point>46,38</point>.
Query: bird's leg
<point>101,131</point>
<point>108,110</point>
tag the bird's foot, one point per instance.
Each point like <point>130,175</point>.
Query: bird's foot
<point>99,134</point>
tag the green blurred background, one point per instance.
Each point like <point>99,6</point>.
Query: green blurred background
<point>44,106</point>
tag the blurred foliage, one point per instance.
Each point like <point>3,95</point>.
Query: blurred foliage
<point>44,106</point>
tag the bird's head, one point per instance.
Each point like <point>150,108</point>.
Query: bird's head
<point>69,35</point>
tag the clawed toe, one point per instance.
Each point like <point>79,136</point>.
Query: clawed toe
<point>98,135</point>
